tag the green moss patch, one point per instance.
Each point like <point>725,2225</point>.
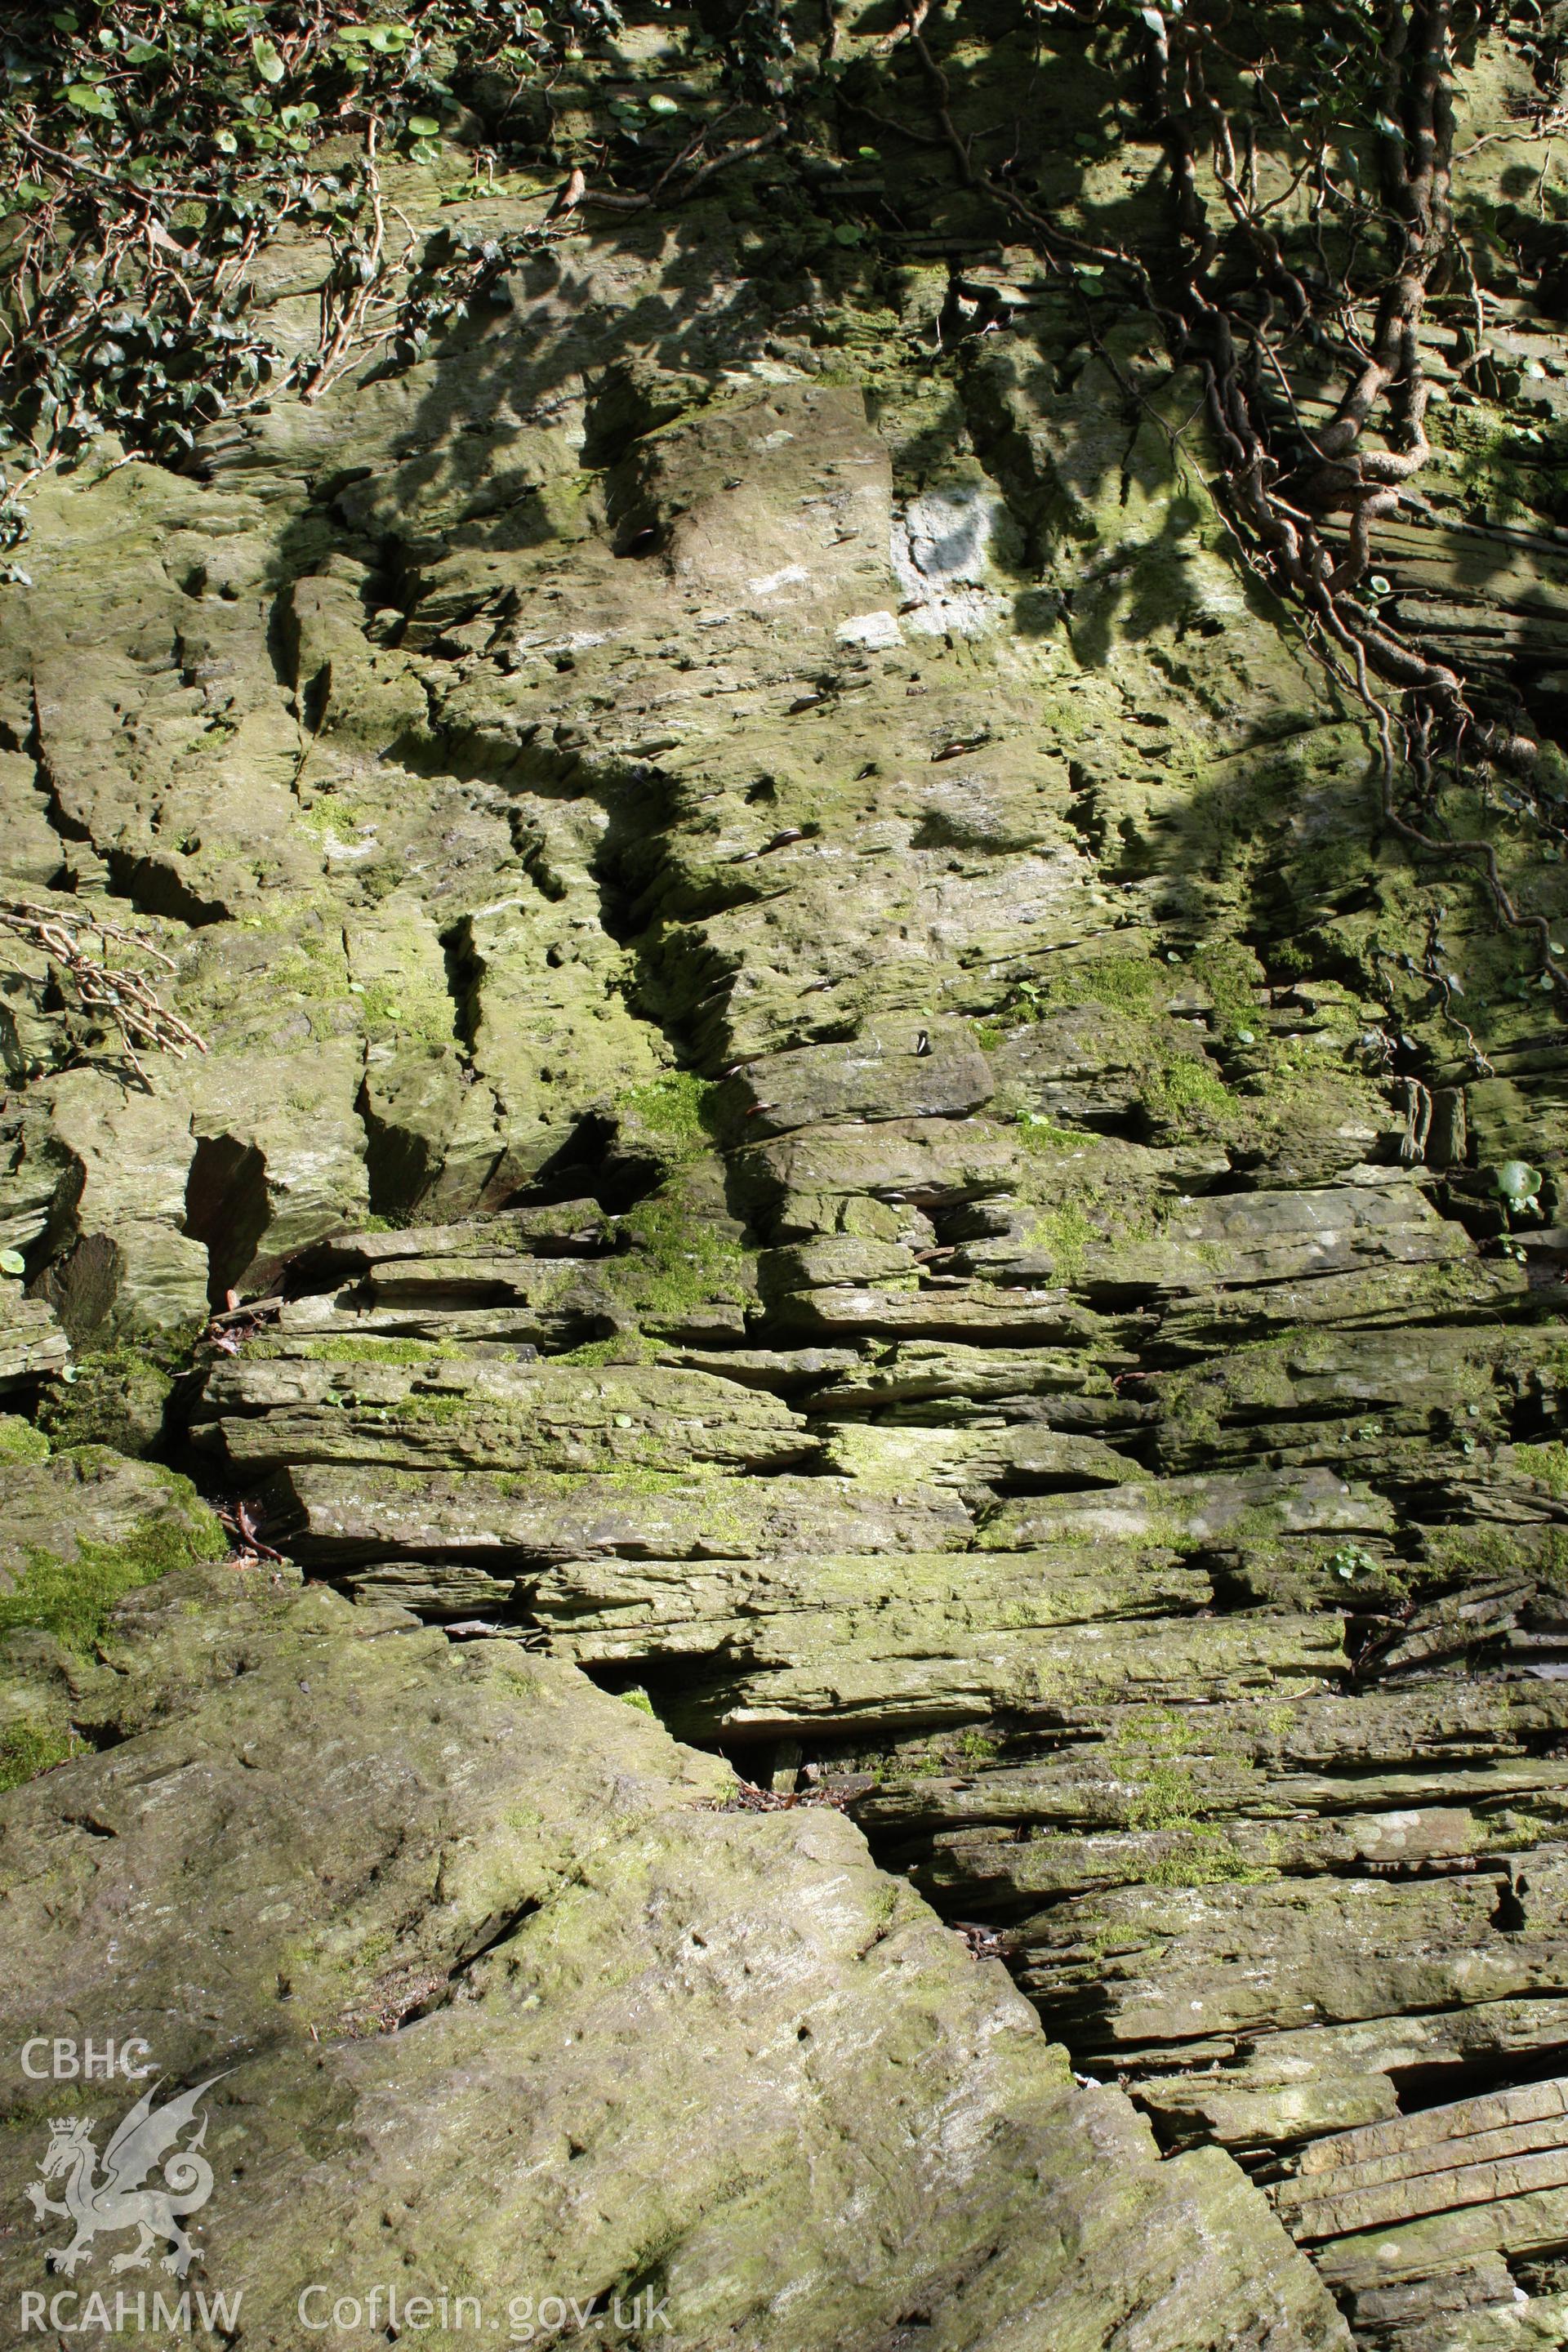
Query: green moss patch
<point>624,1348</point>
<point>675,1106</point>
<point>115,1396</point>
<point>1483,1551</point>
<point>1130,984</point>
<point>1201,1856</point>
<point>1038,1133</point>
<point>1548,1463</point>
<point>1231,973</point>
<point>1188,1095</point>
<point>676,1260</point>
<point>20,1442</point>
<point>27,1748</point>
<point>72,1599</point>
<point>351,1348</point>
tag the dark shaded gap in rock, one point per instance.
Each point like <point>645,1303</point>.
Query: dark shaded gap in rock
<point>226,1208</point>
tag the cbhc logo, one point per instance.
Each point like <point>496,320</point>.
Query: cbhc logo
<point>86,2062</point>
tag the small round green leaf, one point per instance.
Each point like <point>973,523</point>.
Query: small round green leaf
<point>88,100</point>
<point>1517,1180</point>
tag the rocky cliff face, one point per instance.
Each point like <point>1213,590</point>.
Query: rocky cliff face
<point>825,1111</point>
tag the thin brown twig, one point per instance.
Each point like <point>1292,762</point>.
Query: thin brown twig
<point>611,200</point>
<point>125,995</point>
<point>344,307</point>
<point>81,171</point>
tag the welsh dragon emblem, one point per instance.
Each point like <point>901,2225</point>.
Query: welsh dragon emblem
<point>116,2199</point>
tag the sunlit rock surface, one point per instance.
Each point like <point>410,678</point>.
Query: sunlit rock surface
<point>823,1093</point>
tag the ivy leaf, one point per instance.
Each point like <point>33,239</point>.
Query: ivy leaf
<point>269,64</point>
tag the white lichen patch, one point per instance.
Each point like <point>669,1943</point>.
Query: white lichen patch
<point>940,548</point>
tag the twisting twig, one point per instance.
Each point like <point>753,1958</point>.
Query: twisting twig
<point>130,190</point>
<point>576,191</point>
<point>1058,246</point>
<point>1432,972</point>
<point>124,995</point>
<point>348,290</point>
<point>1283,537</point>
<point>239,1522</point>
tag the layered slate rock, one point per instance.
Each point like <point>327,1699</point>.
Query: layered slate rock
<point>465,2042</point>
<point>1200,1656</point>
<point>1409,2220</point>
<point>824,1112</point>
<point>1051,1367</point>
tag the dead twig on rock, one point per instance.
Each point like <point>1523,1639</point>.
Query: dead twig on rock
<point>576,191</point>
<point>747,1798</point>
<point>237,1521</point>
<point>358,308</point>
<point>122,995</point>
<point>228,1332</point>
